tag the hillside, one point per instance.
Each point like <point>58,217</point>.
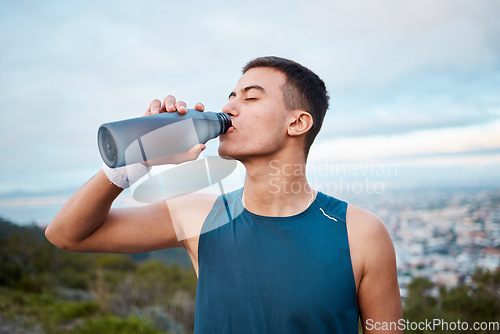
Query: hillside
<point>47,290</point>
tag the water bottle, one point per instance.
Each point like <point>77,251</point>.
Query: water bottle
<point>149,137</point>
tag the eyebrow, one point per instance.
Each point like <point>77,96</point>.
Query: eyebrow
<point>246,89</point>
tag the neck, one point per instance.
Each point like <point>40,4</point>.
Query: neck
<point>276,187</point>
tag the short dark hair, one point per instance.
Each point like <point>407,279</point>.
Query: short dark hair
<point>303,89</point>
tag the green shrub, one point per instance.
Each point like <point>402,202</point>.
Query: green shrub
<point>117,262</point>
<point>67,311</point>
<point>113,325</point>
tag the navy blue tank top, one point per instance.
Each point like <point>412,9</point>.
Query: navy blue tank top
<point>288,275</point>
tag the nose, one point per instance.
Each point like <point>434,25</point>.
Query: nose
<point>230,108</point>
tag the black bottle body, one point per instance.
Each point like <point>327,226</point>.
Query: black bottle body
<point>150,137</point>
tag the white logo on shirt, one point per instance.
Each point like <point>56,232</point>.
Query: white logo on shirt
<point>327,216</point>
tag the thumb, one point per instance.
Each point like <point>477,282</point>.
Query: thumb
<point>196,150</point>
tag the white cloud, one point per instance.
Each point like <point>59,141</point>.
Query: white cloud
<point>427,142</point>
<point>432,102</point>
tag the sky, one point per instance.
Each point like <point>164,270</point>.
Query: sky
<point>414,85</point>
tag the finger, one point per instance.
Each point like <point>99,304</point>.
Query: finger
<point>169,103</point>
<point>181,107</point>
<point>178,158</point>
<point>190,155</point>
<point>195,151</point>
<point>154,108</point>
<point>199,106</point>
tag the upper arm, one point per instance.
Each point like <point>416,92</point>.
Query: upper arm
<point>149,227</point>
<point>378,290</point>
<point>132,230</point>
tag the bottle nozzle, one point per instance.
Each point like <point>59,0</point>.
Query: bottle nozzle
<point>225,122</point>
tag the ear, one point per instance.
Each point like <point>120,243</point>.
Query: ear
<point>300,122</point>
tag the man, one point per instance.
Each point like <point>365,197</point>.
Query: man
<point>269,259</point>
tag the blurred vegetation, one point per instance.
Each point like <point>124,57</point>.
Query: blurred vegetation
<point>478,301</point>
<point>47,290</point>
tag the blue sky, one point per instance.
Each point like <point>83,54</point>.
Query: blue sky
<point>413,83</point>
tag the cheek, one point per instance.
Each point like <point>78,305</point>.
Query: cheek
<point>260,130</point>
<point>266,137</point>
<point>267,123</point>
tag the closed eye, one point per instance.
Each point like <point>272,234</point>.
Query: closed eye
<point>250,98</point>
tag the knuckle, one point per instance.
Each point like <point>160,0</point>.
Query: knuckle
<point>154,104</point>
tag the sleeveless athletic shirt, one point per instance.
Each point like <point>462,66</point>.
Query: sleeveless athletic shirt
<point>288,275</point>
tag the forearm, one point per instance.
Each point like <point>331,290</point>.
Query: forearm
<point>83,213</point>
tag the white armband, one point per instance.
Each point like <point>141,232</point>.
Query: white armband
<point>125,176</point>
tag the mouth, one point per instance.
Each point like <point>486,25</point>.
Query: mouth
<point>230,130</point>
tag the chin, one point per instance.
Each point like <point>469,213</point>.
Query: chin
<point>231,152</point>
<point>236,154</point>
<point>225,153</point>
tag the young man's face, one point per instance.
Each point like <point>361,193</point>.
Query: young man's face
<point>258,114</point>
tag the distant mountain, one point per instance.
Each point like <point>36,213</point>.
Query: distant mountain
<point>31,194</point>
<point>8,229</point>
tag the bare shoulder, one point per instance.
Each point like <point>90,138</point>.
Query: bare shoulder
<point>369,238</point>
<point>188,213</point>
<point>364,224</point>
<point>196,202</point>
